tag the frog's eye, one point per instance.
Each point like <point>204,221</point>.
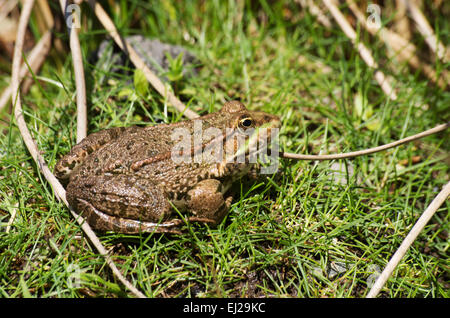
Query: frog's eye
<point>246,122</point>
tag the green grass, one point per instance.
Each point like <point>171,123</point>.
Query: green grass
<point>285,232</point>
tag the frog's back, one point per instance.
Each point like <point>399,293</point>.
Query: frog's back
<point>134,144</point>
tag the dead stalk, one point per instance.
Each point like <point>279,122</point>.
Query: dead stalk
<point>403,49</point>
<point>423,134</point>
<point>382,80</point>
<point>427,31</point>
<point>78,69</point>
<point>35,60</point>
<point>410,238</point>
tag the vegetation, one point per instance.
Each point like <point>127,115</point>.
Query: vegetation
<point>314,229</point>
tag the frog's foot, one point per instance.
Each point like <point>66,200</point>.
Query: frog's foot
<point>200,220</point>
<point>103,222</point>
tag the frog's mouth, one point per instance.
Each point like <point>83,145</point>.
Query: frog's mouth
<point>253,144</point>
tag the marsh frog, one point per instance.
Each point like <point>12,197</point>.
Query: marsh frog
<point>126,179</point>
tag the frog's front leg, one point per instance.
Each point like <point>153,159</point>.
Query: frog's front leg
<point>121,203</point>
<point>206,202</point>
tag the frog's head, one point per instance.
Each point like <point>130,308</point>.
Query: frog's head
<point>246,131</point>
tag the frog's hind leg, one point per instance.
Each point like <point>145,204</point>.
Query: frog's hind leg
<point>122,203</point>
<point>104,222</point>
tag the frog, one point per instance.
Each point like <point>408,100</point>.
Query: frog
<point>126,179</point>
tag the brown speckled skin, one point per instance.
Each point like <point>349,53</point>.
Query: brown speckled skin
<point>124,179</point>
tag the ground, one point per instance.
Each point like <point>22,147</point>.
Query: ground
<point>314,229</point>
